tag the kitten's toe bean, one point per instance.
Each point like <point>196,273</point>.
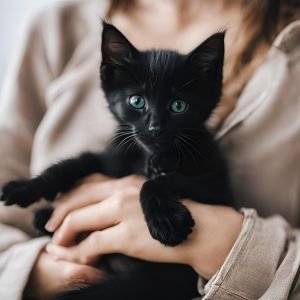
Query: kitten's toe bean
<point>20,192</point>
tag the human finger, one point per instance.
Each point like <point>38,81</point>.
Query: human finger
<point>98,242</point>
<point>97,177</point>
<point>86,194</point>
<point>50,277</point>
<point>90,218</point>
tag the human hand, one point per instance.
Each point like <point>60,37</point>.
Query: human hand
<point>50,277</point>
<point>92,190</point>
<point>118,226</point>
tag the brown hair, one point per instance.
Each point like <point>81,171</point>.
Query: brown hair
<point>261,21</point>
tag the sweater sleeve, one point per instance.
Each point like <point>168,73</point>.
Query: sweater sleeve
<point>22,108</point>
<point>21,103</point>
<point>21,111</point>
<point>18,254</point>
<point>46,46</point>
<point>263,264</point>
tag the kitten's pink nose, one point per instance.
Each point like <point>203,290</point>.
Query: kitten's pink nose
<point>155,131</point>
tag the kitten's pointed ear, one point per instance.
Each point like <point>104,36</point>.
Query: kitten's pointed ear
<point>208,57</point>
<point>115,47</point>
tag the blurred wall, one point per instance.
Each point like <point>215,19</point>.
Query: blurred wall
<point>12,14</point>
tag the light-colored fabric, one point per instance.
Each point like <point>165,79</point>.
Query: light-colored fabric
<point>52,108</point>
<point>261,139</point>
<point>18,255</point>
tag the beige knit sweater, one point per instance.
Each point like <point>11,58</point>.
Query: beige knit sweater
<point>52,108</point>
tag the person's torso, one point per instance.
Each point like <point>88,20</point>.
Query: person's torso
<point>261,138</point>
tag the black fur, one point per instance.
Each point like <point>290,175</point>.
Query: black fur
<point>140,280</point>
<point>173,149</point>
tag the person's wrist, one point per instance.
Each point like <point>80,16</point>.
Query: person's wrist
<point>226,225</point>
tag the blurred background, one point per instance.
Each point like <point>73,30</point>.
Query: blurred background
<point>12,15</point>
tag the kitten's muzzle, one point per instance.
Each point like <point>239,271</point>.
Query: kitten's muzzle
<point>155,131</point>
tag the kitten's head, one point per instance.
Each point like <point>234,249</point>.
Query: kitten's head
<point>161,93</point>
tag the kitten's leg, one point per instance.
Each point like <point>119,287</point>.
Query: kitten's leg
<point>168,220</point>
<point>62,176</point>
<point>58,178</point>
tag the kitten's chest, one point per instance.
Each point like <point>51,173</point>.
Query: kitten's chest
<point>164,164</point>
<point>159,165</point>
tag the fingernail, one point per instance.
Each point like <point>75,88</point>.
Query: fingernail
<point>50,226</point>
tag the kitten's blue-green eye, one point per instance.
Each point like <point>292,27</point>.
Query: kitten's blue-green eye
<point>137,102</point>
<point>178,106</point>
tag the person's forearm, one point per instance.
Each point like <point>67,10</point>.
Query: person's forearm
<point>262,265</point>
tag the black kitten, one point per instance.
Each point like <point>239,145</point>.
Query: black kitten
<point>161,100</point>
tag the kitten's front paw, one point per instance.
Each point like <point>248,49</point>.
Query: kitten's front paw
<point>20,192</point>
<point>173,227</point>
<point>168,220</point>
